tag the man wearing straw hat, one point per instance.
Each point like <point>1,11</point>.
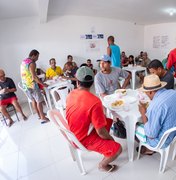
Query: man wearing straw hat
<point>160,114</point>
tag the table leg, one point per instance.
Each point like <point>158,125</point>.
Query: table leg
<point>47,91</point>
<point>133,79</point>
<point>130,128</point>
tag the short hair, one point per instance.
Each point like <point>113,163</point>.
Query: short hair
<point>86,84</point>
<point>131,56</point>
<point>69,64</point>
<point>155,64</point>
<point>89,60</point>
<point>111,38</point>
<point>69,56</point>
<point>52,59</point>
<point>34,52</point>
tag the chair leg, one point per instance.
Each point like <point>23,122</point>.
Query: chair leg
<point>4,119</point>
<point>174,152</point>
<point>79,162</point>
<point>16,114</point>
<point>30,107</point>
<point>163,161</point>
<point>139,150</point>
<point>72,151</point>
<point>46,102</point>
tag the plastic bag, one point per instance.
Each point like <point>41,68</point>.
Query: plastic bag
<point>119,130</point>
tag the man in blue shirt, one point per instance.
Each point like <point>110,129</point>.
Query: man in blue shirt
<point>160,114</point>
<point>114,52</point>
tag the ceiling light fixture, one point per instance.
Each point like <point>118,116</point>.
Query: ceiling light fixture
<point>171,12</point>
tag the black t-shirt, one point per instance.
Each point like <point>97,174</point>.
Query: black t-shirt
<point>169,78</point>
<point>8,83</point>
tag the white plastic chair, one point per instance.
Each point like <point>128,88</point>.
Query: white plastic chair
<point>74,145</point>
<point>20,85</point>
<point>62,91</point>
<point>164,152</point>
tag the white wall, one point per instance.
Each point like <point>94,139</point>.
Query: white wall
<point>160,30</point>
<point>59,37</point>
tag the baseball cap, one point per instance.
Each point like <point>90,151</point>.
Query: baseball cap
<point>105,58</point>
<point>85,74</point>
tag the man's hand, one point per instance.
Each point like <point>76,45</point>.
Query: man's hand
<point>45,85</point>
<point>2,91</point>
<point>142,108</point>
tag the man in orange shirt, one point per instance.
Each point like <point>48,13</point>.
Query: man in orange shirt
<point>87,121</point>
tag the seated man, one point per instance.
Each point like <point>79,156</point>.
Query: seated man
<point>107,80</point>
<point>156,67</point>
<point>53,70</point>
<point>70,59</point>
<point>87,121</point>
<point>160,114</point>
<point>90,65</point>
<point>70,73</point>
<point>7,96</point>
<point>144,63</point>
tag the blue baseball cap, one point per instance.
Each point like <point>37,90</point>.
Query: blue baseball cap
<point>105,58</point>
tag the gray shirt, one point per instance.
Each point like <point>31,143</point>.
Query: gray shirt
<point>108,83</point>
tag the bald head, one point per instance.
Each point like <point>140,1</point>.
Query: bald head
<point>2,71</point>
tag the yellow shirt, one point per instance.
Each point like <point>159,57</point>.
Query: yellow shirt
<point>50,73</point>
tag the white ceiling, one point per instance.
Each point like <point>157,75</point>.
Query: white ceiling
<point>136,11</point>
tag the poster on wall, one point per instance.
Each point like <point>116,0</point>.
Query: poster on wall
<point>92,46</point>
<point>161,41</point>
<point>164,41</point>
<point>92,36</point>
<point>156,41</point>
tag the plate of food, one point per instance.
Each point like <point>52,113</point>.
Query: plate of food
<point>117,104</point>
<point>122,91</point>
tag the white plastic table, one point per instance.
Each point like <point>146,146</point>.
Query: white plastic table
<point>130,118</point>
<point>51,84</point>
<point>133,70</point>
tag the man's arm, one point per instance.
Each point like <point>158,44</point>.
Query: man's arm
<point>109,51</point>
<point>127,80</point>
<point>32,68</point>
<point>103,133</point>
<point>142,110</point>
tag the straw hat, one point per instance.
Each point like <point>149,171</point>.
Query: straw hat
<point>152,83</point>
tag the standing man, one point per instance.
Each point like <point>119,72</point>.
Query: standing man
<point>87,121</point>
<point>114,52</point>
<point>107,79</point>
<point>7,96</point>
<point>30,83</point>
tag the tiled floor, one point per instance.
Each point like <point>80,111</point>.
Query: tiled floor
<point>32,151</point>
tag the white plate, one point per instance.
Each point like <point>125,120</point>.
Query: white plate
<point>113,97</point>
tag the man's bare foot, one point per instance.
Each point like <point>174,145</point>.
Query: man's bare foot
<point>109,168</point>
<point>24,118</point>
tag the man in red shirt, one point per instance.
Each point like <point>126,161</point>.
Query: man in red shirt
<point>172,60</point>
<point>86,119</point>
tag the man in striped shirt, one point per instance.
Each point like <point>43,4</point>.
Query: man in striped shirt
<point>160,114</point>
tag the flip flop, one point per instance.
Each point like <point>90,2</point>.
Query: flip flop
<point>112,168</point>
<point>45,121</point>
